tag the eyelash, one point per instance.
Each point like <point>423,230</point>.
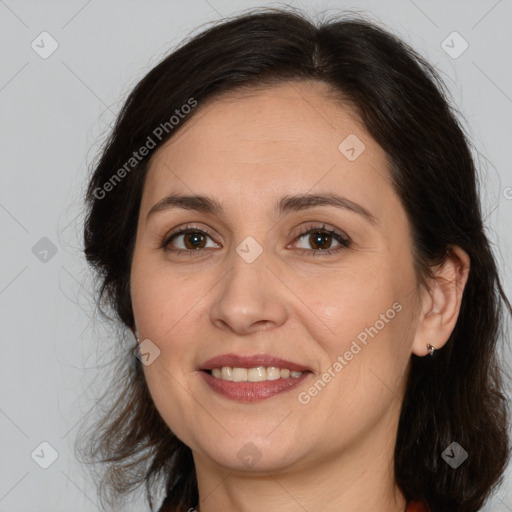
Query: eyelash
<point>343,240</point>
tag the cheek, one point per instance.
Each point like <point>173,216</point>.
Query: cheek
<point>169,390</point>
<point>165,309</point>
<point>365,372</point>
<point>169,316</point>
<point>162,298</point>
<point>364,336</point>
<point>344,306</point>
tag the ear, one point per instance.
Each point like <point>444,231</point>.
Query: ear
<point>135,332</point>
<point>440,304</point>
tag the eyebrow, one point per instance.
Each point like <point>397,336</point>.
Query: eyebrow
<point>286,204</point>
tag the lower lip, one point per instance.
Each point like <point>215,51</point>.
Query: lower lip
<point>251,391</point>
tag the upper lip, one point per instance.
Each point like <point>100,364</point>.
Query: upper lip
<point>252,361</point>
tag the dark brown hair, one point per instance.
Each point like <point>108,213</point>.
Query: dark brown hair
<point>403,104</point>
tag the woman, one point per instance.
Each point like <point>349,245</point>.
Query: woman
<point>286,217</point>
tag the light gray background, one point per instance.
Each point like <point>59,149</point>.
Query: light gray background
<point>53,114</point>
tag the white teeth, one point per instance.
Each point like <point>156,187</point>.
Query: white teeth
<point>239,374</point>
<point>226,373</point>
<point>273,373</point>
<point>258,374</point>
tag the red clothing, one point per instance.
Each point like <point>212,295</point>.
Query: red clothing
<point>416,506</point>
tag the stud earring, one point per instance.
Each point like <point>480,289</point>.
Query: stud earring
<point>431,349</point>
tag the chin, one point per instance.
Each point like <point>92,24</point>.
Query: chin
<point>252,458</point>
<point>253,450</point>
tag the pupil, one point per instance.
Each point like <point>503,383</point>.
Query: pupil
<point>196,238</point>
<point>318,237</point>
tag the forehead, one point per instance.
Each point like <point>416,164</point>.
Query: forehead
<point>265,142</point>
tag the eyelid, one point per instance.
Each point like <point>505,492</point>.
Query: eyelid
<point>312,227</point>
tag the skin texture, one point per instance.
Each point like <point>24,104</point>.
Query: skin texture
<point>247,150</point>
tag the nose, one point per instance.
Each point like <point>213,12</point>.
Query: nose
<point>249,298</point>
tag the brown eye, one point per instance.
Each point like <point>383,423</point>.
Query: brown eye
<point>320,240</point>
<point>194,240</point>
<point>187,240</point>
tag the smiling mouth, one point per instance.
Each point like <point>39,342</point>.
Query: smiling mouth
<point>252,377</point>
<point>247,390</point>
<point>256,374</point>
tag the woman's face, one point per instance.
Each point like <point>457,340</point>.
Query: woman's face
<point>246,286</point>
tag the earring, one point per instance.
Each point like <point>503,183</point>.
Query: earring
<point>431,348</point>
